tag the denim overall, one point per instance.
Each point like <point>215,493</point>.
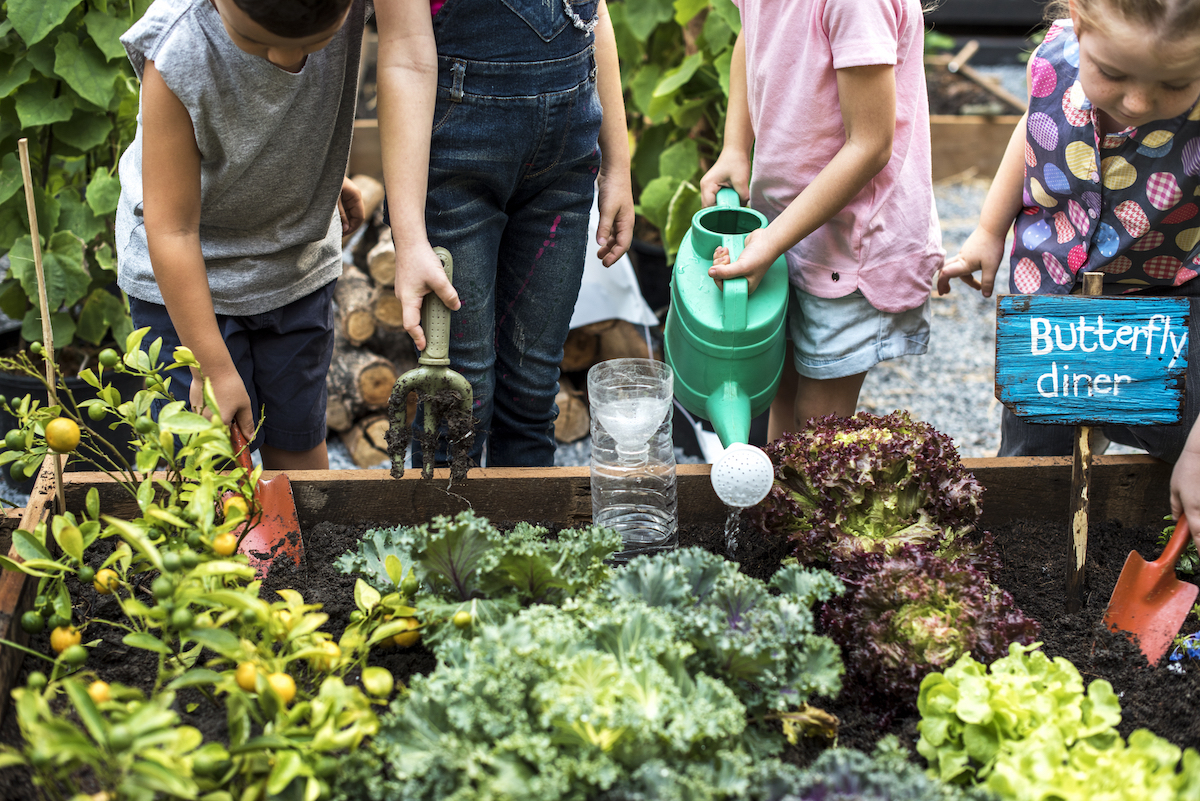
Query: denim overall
<point>512,170</point>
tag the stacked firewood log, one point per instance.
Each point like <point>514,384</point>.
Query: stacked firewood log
<point>371,348</point>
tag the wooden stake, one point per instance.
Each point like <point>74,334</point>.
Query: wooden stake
<point>1081,471</point>
<point>43,305</point>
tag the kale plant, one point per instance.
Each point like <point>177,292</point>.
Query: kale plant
<point>466,563</point>
<point>763,644</point>
<point>867,483</point>
<point>553,704</point>
<point>911,613</point>
<point>843,774</point>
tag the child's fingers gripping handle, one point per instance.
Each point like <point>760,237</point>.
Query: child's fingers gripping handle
<point>240,449</point>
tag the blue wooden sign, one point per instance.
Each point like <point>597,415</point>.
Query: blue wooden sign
<point>1082,360</point>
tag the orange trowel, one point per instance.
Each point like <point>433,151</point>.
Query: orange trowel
<point>1149,603</point>
<point>274,528</point>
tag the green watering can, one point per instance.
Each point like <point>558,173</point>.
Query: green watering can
<point>725,346</point>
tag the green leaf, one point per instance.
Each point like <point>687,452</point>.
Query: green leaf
<point>160,780</point>
<point>678,76</point>
<point>102,311</point>
<point>197,677</point>
<point>86,707</point>
<point>39,104</point>
<point>680,161</point>
<point>33,19</point>
<point>70,540</point>
<point>655,200</point>
<point>84,130</point>
<point>77,218</point>
<point>41,55</point>
<point>221,641</point>
<point>366,597</point>
<point>288,766</point>
<point>13,222</point>
<point>67,279</point>
<point>395,570</point>
<point>86,69</point>
<point>105,30</point>
<point>643,16</point>
<point>28,546</point>
<point>684,205</point>
<point>103,192</point>
<point>721,63</point>
<point>62,327</point>
<point>641,87</point>
<point>14,71</point>
<point>717,33</point>
<point>147,642</point>
<point>686,9</point>
<point>13,300</point>
<point>728,12</point>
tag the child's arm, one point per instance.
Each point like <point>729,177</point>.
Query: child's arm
<point>407,91</point>
<point>614,186</point>
<point>1185,483</point>
<point>171,200</point>
<point>984,248</point>
<point>732,167</point>
<point>867,96</point>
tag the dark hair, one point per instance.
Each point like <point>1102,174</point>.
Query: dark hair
<point>1171,19</point>
<point>294,18</point>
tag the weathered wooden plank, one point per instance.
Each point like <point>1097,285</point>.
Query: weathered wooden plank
<point>1133,489</point>
<point>1081,360</point>
<point>17,594</point>
<point>968,144</point>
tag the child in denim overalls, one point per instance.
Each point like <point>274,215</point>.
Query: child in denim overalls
<point>494,116</point>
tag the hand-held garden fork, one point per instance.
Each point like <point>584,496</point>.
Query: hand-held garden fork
<point>443,394</point>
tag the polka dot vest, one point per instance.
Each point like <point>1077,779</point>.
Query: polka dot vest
<point>1125,205</point>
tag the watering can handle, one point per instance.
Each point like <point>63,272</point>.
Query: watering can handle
<point>435,320</point>
<point>728,197</point>
<point>736,293</point>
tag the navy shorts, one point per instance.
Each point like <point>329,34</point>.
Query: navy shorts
<point>282,355</point>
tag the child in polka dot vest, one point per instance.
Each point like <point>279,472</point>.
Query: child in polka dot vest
<point>1103,174</point>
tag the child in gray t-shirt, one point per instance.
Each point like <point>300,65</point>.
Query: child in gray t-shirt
<point>234,201</point>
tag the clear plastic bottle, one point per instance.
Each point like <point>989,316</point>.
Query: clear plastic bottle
<point>634,493</point>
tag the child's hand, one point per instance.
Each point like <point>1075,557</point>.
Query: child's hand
<point>350,208</point>
<point>615,231</point>
<point>1185,484</point>
<point>752,264</point>
<point>232,399</point>
<point>732,170</point>
<point>982,251</point>
<point>418,272</point>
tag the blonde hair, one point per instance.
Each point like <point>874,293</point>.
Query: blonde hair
<point>1170,19</point>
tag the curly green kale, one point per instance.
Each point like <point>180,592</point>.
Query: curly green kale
<point>763,643</point>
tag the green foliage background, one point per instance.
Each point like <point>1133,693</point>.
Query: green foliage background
<point>675,58</point>
<point>67,86</point>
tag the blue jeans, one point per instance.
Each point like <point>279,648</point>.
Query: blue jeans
<point>1018,438</point>
<point>512,170</point>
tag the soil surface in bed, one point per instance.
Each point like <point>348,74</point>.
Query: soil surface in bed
<point>1162,698</point>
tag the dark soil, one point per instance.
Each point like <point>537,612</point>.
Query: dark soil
<point>1161,698</point>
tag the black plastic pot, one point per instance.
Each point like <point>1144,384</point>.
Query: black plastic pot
<point>653,273</point>
<point>15,386</point>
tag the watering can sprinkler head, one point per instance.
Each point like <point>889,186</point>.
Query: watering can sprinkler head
<point>743,475</point>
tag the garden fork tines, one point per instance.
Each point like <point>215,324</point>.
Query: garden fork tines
<point>443,394</point>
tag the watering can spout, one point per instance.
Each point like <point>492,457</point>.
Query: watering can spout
<point>728,409</point>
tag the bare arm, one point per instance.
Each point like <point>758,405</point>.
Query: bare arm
<point>1185,484</point>
<point>867,96</point>
<point>615,231</point>
<point>732,167</point>
<point>171,193</point>
<point>984,248</point>
<point>407,85</point>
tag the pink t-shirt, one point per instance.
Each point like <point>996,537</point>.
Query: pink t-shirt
<point>886,241</point>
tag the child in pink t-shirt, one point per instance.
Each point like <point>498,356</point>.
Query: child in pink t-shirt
<point>830,97</point>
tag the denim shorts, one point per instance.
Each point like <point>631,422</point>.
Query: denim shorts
<point>283,357</point>
<point>840,337</point>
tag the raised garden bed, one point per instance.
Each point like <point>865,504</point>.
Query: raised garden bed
<point>1025,505</point>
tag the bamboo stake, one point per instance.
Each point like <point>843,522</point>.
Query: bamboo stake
<point>43,305</point>
<point>1081,472</point>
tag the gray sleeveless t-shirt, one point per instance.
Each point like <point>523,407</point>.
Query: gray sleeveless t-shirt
<point>273,151</point>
